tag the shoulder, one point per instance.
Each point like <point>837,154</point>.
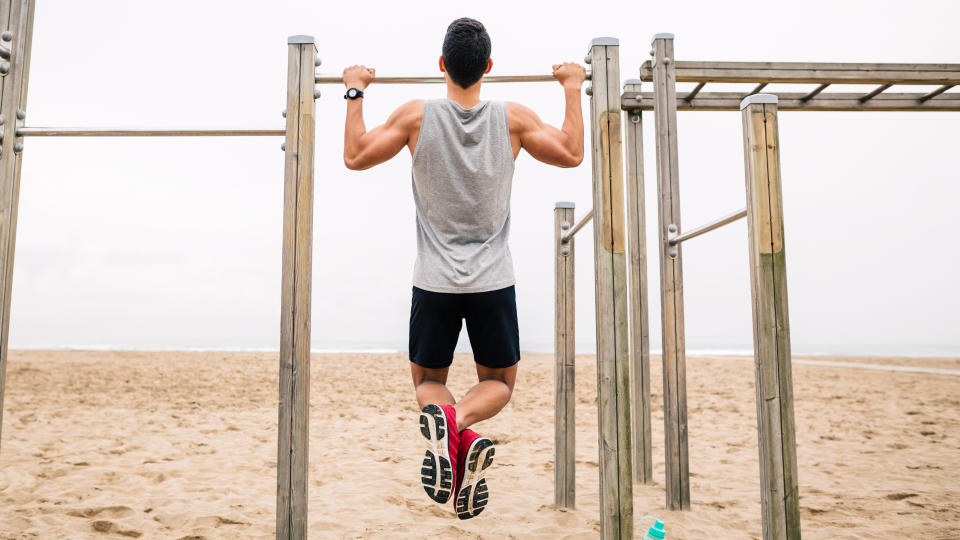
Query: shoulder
<point>520,116</point>
<point>411,111</point>
<point>408,116</point>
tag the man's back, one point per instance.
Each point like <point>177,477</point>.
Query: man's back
<point>462,174</point>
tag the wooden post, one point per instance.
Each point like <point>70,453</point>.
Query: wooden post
<point>16,17</point>
<point>639,318</point>
<point>564,411</point>
<point>613,363</point>
<point>771,327</point>
<point>671,279</point>
<point>293,432</point>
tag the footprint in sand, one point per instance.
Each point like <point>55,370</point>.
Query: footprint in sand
<point>106,526</point>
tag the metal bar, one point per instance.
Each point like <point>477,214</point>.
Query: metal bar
<point>144,132</point>
<point>873,93</point>
<point>757,89</point>
<point>810,72</point>
<point>703,229</point>
<point>337,79</point>
<point>936,92</point>
<point>4,52</point>
<point>791,101</point>
<point>814,92</point>
<point>580,224</point>
<point>696,90</point>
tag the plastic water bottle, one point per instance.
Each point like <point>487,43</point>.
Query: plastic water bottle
<point>655,532</point>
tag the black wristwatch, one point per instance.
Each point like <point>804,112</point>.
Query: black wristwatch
<point>353,93</point>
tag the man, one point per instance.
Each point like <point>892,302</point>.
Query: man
<point>463,158</point>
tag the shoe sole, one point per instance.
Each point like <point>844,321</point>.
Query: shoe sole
<point>436,474</point>
<point>473,495</point>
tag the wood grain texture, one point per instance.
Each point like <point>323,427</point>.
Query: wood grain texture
<point>671,283</point>
<point>293,410</point>
<point>774,386</point>
<point>792,101</point>
<point>613,370</point>
<point>564,351</point>
<point>809,72</point>
<point>638,319</point>
<point>17,17</point>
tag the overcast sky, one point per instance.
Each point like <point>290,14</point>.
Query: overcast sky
<point>173,243</point>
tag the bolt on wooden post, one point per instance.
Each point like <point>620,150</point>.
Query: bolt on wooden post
<point>613,363</point>
<point>639,318</point>
<point>293,429</point>
<point>771,328</point>
<point>565,391</point>
<point>16,23</point>
<point>676,458</point>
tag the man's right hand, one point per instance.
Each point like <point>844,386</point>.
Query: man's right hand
<point>358,77</point>
<point>570,74</point>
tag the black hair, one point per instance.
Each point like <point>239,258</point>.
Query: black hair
<point>466,50</point>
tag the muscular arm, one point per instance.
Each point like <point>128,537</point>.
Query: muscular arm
<point>561,147</point>
<point>363,149</point>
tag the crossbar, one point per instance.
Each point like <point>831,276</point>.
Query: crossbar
<point>810,72</point>
<point>144,132</point>
<point>793,101</point>
<point>703,229</point>
<point>580,224</point>
<point>337,79</point>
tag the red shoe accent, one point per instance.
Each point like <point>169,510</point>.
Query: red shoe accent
<point>453,441</point>
<point>476,456</point>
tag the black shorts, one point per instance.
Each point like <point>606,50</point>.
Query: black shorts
<point>436,319</point>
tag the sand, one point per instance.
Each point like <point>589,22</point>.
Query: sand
<point>183,445</point>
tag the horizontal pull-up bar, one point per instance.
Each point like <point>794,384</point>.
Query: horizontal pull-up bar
<point>337,79</point>
<point>810,72</point>
<point>583,221</point>
<point>703,229</point>
<point>145,132</point>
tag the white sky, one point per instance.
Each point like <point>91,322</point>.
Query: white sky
<point>171,243</point>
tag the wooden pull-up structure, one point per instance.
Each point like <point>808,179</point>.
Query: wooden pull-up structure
<point>16,26</point>
<point>764,213</point>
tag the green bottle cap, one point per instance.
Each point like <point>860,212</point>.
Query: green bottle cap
<point>657,531</point>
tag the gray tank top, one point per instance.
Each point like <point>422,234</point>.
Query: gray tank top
<point>462,175</point>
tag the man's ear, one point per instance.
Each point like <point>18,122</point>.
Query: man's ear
<point>489,65</point>
<point>443,69</point>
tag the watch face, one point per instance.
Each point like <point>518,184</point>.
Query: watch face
<point>353,93</point>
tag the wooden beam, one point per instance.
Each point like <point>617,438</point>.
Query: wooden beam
<point>613,364</point>
<point>813,93</point>
<point>676,459</point>
<point>294,404</point>
<point>693,93</point>
<point>757,89</point>
<point>564,423</point>
<point>792,101</point>
<point>771,326</point>
<point>639,317</point>
<point>876,91</point>
<point>16,17</point>
<point>810,72</point>
<point>935,93</point>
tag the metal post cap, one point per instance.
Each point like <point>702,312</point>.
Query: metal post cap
<point>7,36</point>
<point>589,90</point>
<point>587,59</point>
<point>758,99</point>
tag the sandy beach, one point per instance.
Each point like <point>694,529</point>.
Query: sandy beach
<point>183,445</point>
